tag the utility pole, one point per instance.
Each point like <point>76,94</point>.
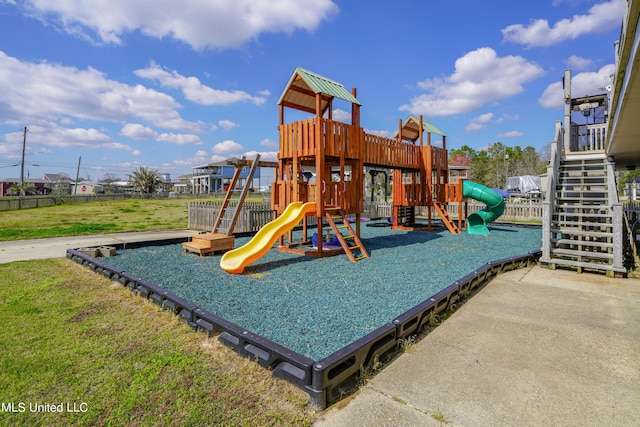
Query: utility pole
<point>75,187</point>
<point>24,144</point>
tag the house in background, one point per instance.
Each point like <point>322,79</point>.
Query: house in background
<point>87,188</point>
<point>456,173</point>
<point>183,184</point>
<point>40,185</point>
<point>60,183</point>
<point>215,177</point>
<point>166,184</point>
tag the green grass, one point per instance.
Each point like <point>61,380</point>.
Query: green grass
<point>70,336</point>
<point>96,218</point>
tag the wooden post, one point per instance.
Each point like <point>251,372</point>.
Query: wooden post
<point>321,184</point>
<point>357,169</point>
<point>423,171</point>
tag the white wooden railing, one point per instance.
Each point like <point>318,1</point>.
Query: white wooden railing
<point>588,137</point>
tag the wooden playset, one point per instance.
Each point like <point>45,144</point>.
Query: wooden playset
<point>322,160</point>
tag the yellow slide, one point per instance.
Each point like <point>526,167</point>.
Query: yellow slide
<point>237,259</point>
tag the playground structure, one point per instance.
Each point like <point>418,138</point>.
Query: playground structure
<point>321,167</point>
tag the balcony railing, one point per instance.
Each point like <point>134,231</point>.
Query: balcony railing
<point>588,137</point>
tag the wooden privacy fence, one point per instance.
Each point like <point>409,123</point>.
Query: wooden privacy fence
<point>254,215</point>
<point>16,203</point>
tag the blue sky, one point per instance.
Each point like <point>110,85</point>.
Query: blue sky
<point>173,84</point>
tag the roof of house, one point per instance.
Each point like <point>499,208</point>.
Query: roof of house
<point>56,177</point>
<point>17,180</point>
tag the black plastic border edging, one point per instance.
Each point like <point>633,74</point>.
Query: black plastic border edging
<point>321,380</point>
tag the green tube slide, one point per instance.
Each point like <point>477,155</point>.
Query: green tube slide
<point>477,221</point>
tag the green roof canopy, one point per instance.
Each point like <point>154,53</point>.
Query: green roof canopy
<point>411,128</point>
<point>303,86</point>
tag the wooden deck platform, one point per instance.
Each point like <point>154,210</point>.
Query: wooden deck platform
<point>206,243</point>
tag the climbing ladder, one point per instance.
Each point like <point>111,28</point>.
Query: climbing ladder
<point>441,210</point>
<point>350,241</point>
<point>230,210</point>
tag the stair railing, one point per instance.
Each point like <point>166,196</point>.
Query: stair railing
<point>552,178</point>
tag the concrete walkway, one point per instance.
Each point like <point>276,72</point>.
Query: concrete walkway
<point>535,347</point>
<point>56,247</point>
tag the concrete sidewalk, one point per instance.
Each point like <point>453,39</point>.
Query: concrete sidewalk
<point>56,247</point>
<point>535,347</point>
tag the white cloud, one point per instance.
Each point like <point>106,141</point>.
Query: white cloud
<point>479,122</point>
<point>269,143</point>
<point>180,139</point>
<point>200,24</point>
<point>138,132</point>
<point>601,17</point>
<point>577,63</point>
<point>266,156</point>
<point>480,77</point>
<point>46,91</point>
<point>341,115</point>
<point>227,147</point>
<point>587,83</point>
<point>506,117</point>
<point>384,133</point>
<point>483,118</point>
<point>511,134</point>
<point>193,89</point>
<point>201,157</point>
<point>474,126</point>
<point>228,125</point>
<point>51,134</point>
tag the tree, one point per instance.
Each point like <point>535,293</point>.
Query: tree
<point>459,154</point>
<point>145,179</point>
<point>480,169</point>
<point>110,177</point>
<point>22,189</point>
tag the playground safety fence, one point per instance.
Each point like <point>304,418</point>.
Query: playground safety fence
<point>254,215</point>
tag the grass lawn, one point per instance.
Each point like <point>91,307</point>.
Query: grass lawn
<point>98,217</point>
<point>72,337</point>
